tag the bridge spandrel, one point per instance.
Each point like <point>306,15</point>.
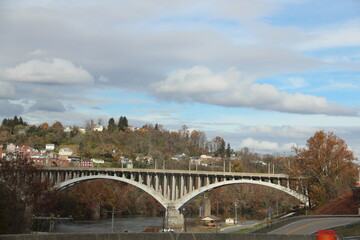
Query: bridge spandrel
<point>170,185</point>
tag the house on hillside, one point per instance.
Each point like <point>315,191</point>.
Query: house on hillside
<point>56,162</point>
<point>86,163</point>
<point>64,153</point>
<point>39,159</point>
<point>98,128</point>
<point>82,130</point>
<point>68,129</point>
<point>97,161</point>
<point>50,147</point>
<point>204,158</point>
<point>179,157</point>
<point>195,161</point>
<point>11,147</point>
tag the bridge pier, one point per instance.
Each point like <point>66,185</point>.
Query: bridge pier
<point>174,218</point>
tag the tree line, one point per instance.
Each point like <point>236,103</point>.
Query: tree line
<point>326,164</point>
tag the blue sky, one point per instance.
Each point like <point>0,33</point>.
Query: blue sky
<point>263,74</point>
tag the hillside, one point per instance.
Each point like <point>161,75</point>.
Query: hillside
<point>347,203</point>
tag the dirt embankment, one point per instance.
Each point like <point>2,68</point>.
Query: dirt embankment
<point>348,203</point>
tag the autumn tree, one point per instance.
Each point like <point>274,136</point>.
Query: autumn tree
<point>57,126</point>
<point>249,159</point>
<point>237,166</point>
<point>218,146</point>
<point>23,195</point>
<point>44,126</point>
<point>327,166</point>
<point>184,132</point>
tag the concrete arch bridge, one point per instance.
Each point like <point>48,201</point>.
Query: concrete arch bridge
<point>174,188</point>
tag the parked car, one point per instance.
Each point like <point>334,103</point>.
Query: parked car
<point>167,230</point>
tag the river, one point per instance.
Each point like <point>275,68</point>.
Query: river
<point>129,224</point>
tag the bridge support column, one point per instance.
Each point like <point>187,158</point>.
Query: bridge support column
<point>174,218</point>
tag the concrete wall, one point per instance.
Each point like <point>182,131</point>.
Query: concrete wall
<point>155,236</point>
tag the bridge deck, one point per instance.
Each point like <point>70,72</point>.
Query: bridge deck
<point>168,171</point>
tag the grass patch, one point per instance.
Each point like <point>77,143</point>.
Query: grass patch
<point>348,231</point>
<point>275,225</point>
<point>247,230</point>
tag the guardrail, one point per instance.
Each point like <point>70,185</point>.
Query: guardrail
<point>301,217</point>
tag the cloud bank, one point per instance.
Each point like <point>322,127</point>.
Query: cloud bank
<point>234,89</point>
<point>55,70</point>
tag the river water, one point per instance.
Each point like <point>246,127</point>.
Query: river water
<point>130,224</point>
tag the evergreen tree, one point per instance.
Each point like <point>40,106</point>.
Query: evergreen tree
<point>111,125</point>
<point>228,150</point>
<point>123,123</point>
<point>222,149</point>
<point>15,121</point>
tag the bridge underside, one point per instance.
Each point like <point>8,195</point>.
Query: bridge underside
<point>173,189</point>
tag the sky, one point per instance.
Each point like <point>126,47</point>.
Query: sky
<point>262,74</point>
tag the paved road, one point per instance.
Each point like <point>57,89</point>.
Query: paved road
<point>230,229</point>
<point>310,226</point>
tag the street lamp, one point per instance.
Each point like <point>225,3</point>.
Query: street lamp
<point>235,220</point>
<point>183,212</point>
<point>163,227</point>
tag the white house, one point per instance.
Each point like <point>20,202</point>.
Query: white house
<point>231,221</point>
<point>205,157</point>
<point>50,147</point>
<point>64,153</point>
<point>98,128</point>
<point>68,129</point>
<point>11,147</point>
<point>97,161</point>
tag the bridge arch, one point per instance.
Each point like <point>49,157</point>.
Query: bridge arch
<point>69,183</point>
<point>182,201</point>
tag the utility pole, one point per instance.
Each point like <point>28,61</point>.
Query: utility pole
<point>183,212</point>
<point>112,220</point>
<point>273,168</point>
<point>235,220</point>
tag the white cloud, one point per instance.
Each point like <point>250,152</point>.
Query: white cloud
<point>234,89</point>
<point>259,145</point>
<point>344,35</point>
<point>281,132</point>
<point>37,52</point>
<point>244,10</point>
<point>197,80</point>
<point>103,79</point>
<point>266,145</point>
<point>53,70</point>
